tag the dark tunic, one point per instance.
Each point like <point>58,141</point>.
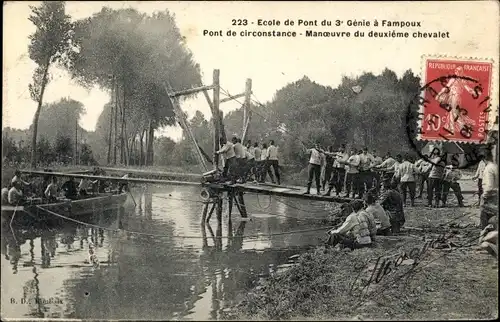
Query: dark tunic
<point>70,189</point>
<point>392,202</point>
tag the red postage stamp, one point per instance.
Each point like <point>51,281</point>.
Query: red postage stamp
<point>456,102</point>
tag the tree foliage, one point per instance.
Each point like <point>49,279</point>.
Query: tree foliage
<point>133,55</point>
<point>362,111</point>
<point>60,118</point>
<point>50,43</point>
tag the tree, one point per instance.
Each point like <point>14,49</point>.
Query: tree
<point>45,151</point>
<point>49,44</point>
<point>164,150</point>
<point>9,148</point>
<point>63,148</point>
<point>135,54</point>
<point>60,118</point>
<point>86,155</point>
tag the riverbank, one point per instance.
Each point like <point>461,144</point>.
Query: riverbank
<point>448,280</point>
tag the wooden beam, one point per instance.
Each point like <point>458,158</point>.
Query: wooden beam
<point>190,91</point>
<point>221,126</point>
<point>146,172</point>
<point>232,97</point>
<point>108,178</point>
<point>215,115</point>
<point>247,112</point>
<point>184,124</point>
<point>209,101</point>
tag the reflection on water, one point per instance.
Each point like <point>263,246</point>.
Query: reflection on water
<point>178,267</point>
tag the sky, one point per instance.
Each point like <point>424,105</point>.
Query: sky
<point>271,63</point>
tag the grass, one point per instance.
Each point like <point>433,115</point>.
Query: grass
<point>447,284</point>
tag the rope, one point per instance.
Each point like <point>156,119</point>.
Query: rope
<point>261,208</point>
<point>180,199</point>
<point>258,200</point>
<point>177,236</point>
<point>297,208</point>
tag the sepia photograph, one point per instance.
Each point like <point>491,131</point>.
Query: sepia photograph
<point>250,160</point>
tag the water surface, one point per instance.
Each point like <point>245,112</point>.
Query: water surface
<point>170,267</point>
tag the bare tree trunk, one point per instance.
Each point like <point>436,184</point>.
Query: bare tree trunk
<point>124,129</point>
<point>110,134</point>
<point>37,115</point>
<point>146,153</point>
<point>136,149</point>
<point>141,153</point>
<point>146,161</point>
<point>131,151</point>
<point>122,136</point>
<point>150,152</point>
<point>115,125</point>
<point>110,125</point>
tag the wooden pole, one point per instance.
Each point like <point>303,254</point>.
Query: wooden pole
<point>247,113</point>
<point>219,224</point>
<point>243,208</point>
<point>230,203</point>
<point>204,215</point>
<point>215,114</point>
<point>221,126</point>
<point>190,91</point>
<point>184,124</point>
<point>211,212</point>
<point>112,179</point>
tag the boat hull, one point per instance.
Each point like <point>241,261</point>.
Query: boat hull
<point>70,208</point>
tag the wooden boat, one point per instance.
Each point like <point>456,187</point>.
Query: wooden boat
<point>35,210</point>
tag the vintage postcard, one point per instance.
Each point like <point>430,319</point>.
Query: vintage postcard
<point>250,160</point>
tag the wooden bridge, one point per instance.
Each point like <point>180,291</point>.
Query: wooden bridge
<point>277,190</point>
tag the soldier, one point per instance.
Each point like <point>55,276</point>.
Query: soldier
<point>450,180</point>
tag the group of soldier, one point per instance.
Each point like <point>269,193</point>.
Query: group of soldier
<point>398,176</point>
<point>353,172</point>
<point>249,161</point>
<point>49,189</point>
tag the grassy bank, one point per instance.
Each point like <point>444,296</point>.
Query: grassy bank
<point>449,283</point>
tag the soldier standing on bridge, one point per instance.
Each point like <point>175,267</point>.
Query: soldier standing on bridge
<point>258,162</point>
<point>250,160</point>
<point>314,168</point>
<point>239,152</point>
<point>329,160</point>
<point>338,176</point>
<point>272,155</point>
<point>229,159</point>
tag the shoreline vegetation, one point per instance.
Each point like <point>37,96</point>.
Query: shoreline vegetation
<point>428,274</point>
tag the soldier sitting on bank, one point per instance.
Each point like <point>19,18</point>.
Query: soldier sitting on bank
<point>354,232</point>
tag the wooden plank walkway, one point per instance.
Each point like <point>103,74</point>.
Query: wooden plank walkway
<point>278,190</point>
<point>289,191</point>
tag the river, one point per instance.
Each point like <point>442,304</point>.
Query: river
<point>162,263</point>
